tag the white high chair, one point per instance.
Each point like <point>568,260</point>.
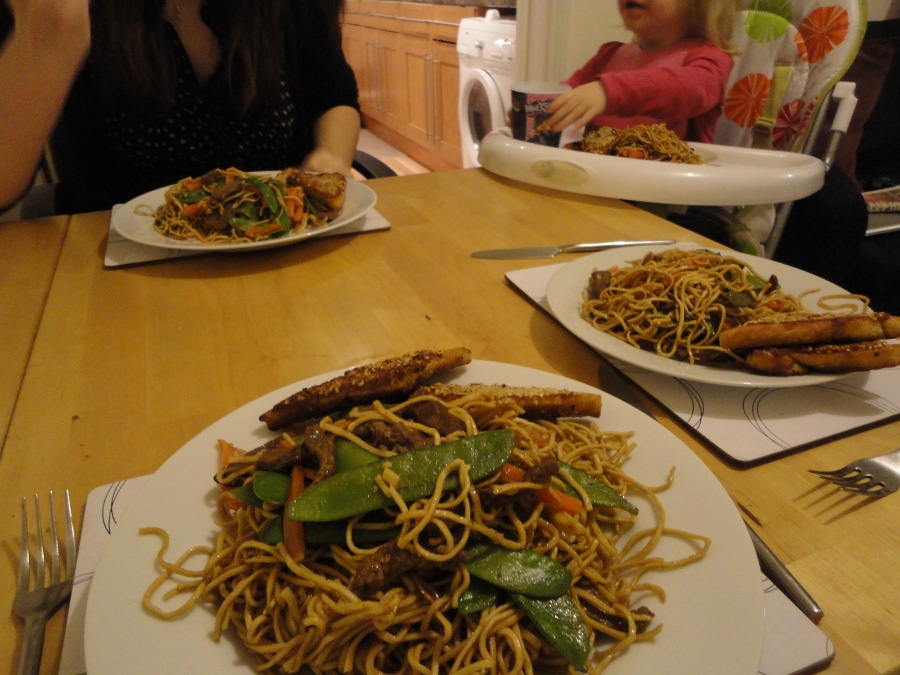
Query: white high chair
<point>790,57</point>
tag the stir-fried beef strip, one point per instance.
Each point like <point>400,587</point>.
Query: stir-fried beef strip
<point>210,178</point>
<point>598,282</point>
<point>434,414</point>
<point>642,618</point>
<point>214,221</point>
<point>384,569</point>
<point>542,472</point>
<point>277,454</point>
<point>217,212</point>
<point>321,444</point>
<point>396,437</point>
<point>280,454</point>
<point>221,193</point>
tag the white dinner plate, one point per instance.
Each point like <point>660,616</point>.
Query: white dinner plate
<point>712,616</point>
<point>566,286</point>
<point>139,228</point>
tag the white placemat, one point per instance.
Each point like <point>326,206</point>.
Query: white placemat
<point>121,251</point>
<point>754,424</point>
<point>792,642</point>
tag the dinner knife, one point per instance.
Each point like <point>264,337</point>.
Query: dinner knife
<point>781,576</point>
<point>534,252</point>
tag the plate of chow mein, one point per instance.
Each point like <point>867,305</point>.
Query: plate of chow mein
<point>234,210</point>
<point>683,562</point>
<point>663,308</point>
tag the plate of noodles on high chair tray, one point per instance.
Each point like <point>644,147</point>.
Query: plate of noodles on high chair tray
<point>656,168</point>
<point>234,211</point>
<point>669,550</point>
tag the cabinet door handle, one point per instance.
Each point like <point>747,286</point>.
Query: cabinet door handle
<point>429,96</point>
<point>436,99</point>
<point>376,74</point>
<point>382,106</point>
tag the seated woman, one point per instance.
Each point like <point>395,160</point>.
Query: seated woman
<point>149,92</point>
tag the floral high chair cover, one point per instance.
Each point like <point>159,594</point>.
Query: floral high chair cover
<point>790,55</point>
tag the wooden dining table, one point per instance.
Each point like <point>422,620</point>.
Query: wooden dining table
<point>108,372</point>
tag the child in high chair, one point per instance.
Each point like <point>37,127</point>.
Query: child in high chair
<point>674,71</point>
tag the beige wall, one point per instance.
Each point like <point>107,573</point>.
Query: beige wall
<point>879,10</point>
<point>555,37</point>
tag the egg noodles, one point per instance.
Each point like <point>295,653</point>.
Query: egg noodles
<point>309,613</point>
<point>229,206</point>
<point>641,141</point>
<point>676,302</point>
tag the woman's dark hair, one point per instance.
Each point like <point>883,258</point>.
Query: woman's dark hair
<point>261,42</point>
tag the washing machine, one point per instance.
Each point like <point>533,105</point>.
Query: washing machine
<point>487,50</point>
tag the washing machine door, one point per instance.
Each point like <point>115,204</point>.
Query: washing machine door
<point>481,111</point>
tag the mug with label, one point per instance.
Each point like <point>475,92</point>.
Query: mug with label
<point>530,101</point>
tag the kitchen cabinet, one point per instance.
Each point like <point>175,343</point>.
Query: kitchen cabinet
<point>404,57</point>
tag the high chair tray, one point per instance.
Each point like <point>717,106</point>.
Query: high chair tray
<point>728,177</point>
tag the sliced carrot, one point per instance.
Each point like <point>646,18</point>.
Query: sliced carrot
<point>192,209</point>
<point>193,184</point>
<point>511,473</point>
<point>778,305</point>
<point>261,230</point>
<point>232,503</point>
<point>226,452</point>
<point>540,440</point>
<point>293,199</point>
<point>561,501</point>
<point>555,499</point>
<point>294,541</point>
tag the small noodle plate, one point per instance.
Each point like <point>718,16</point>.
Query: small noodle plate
<point>564,294</point>
<point>138,228</point>
<point>713,613</point>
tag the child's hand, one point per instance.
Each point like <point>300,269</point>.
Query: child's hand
<point>577,107</point>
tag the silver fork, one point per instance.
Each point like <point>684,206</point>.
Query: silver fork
<point>38,603</point>
<point>871,476</point>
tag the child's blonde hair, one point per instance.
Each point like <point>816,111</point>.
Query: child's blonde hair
<point>712,20</point>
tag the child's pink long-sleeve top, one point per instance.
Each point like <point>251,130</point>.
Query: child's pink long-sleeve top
<point>681,86</point>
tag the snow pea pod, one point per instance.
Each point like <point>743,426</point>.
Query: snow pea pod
<point>247,215</point>
<point>192,196</point>
<point>597,491</point>
<point>270,199</point>
<point>561,624</point>
<point>522,571</point>
<point>352,492</point>
<point>271,486</point>
<point>245,494</point>
<point>335,532</point>
<point>478,596</point>
<point>348,455</point>
<point>272,532</point>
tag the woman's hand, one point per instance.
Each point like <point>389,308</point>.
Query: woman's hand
<point>336,134</point>
<point>322,160</point>
<point>577,107</point>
